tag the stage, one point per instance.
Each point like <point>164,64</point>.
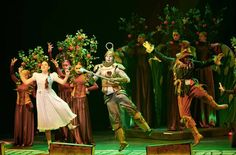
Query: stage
<point>216,141</point>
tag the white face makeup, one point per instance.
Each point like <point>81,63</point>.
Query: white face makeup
<point>109,58</point>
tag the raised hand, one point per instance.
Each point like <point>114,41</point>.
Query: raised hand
<point>54,61</point>
<point>20,69</point>
<point>50,47</point>
<point>13,61</point>
<point>149,47</point>
<point>221,88</point>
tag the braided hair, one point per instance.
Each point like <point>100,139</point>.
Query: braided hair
<point>46,82</point>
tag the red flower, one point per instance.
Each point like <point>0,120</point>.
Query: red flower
<point>60,48</point>
<point>173,22</point>
<point>88,55</point>
<point>166,22</point>
<point>77,47</point>
<point>71,48</point>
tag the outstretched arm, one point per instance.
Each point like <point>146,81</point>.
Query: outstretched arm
<point>93,87</point>
<point>23,79</point>
<point>150,48</point>
<point>62,81</point>
<point>216,60</point>
<point>98,72</point>
<point>50,47</point>
<point>231,91</point>
<point>13,76</point>
<point>123,77</point>
<point>164,57</point>
<point>59,72</point>
<point>222,89</point>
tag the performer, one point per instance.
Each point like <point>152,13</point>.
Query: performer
<point>24,112</point>
<point>230,119</point>
<point>64,92</point>
<point>204,51</point>
<point>186,86</point>
<point>52,111</point>
<point>82,85</point>
<point>142,92</point>
<point>115,97</point>
<point>173,118</point>
<point>231,115</point>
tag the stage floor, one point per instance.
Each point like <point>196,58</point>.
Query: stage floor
<point>107,145</point>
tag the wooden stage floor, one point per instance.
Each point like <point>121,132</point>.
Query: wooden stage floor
<point>215,142</point>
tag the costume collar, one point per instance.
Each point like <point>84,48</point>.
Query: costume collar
<point>107,64</point>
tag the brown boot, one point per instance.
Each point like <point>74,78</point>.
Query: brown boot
<point>140,121</point>
<point>121,137</point>
<point>196,135</point>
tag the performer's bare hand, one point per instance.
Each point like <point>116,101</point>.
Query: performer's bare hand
<point>87,91</point>
<point>20,69</point>
<point>13,61</point>
<point>221,87</point>
<point>114,80</point>
<point>155,59</point>
<point>54,61</point>
<point>50,47</point>
<point>67,72</point>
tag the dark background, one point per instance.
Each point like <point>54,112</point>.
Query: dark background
<point>31,23</point>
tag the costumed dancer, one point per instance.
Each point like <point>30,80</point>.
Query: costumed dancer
<point>64,92</point>
<point>24,111</point>
<point>204,51</point>
<point>82,85</point>
<point>52,111</point>
<point>140,70</point>
<point>231,113</point>
<point>186,86</point>
<point>171,49</point>
<point>112,76</point>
